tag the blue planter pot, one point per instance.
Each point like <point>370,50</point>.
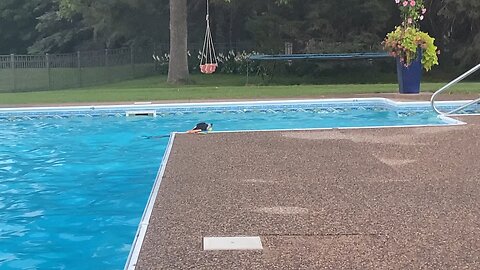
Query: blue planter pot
<point>409,77</point>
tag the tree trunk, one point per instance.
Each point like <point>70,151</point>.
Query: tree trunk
<point>178,64</point>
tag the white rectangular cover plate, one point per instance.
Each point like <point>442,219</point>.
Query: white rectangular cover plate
<point>232,243</point>
<point>141,113</point>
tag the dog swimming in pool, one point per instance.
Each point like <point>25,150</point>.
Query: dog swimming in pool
<point>201,127</point>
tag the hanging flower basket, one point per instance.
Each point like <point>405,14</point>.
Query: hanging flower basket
<point>208,68</point>
<point>208,58</point>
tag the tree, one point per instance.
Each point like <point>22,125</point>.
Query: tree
<point>320,26</point>
<point>178,64</point>
<point>85,24</point>
<point>17,23</point>
<point>56,33</point>
<point>461,21</point>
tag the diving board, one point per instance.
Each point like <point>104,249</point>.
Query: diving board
<point>326,56</point>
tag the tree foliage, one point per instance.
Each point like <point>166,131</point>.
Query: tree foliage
<point>461,22</point>
<point>114,23</point>
<point>40,26</point>
<point>17,23</point>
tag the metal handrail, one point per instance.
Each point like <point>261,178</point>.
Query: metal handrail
<point>450,84</point>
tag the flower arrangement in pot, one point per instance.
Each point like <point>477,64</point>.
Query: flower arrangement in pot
<point>411,47</point>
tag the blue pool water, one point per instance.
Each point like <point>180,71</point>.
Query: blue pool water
<point>73,187</point>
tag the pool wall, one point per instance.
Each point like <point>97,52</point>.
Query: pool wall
<point>119,110</point>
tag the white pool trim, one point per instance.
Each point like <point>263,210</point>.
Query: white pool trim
<point>194,104</point>
<point>399,104</point>
<point>147,213</point>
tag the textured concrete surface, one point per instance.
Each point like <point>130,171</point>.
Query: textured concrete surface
<point>397,198</point>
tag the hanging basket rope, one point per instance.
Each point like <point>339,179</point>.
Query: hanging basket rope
<point>208,61</point>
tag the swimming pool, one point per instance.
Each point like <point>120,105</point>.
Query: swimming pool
<point>74,181</point>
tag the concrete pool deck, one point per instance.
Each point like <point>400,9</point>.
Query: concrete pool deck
<point>392,198</point>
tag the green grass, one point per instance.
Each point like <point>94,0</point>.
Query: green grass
<point>206,87</point>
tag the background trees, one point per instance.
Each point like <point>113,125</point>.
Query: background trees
<point>18,19</point>
<point>460,20</point>
<point>40,26</point>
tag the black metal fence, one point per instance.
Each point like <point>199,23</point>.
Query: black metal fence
<point>87,68</point>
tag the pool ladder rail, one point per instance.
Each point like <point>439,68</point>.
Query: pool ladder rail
<point>450,84</point>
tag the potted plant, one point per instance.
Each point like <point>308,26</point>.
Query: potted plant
<point>411,47</point>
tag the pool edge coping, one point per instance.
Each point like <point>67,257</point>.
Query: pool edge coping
<point>141,232</point>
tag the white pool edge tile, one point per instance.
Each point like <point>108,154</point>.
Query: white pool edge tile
<point>142,228</point>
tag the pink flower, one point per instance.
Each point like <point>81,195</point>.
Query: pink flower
<point>424,10</point>
<point>409,20</point>
<point>412,3</point>
<point>405,3</point>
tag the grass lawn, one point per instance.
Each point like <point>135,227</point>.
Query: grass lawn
<point>206,87</point>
